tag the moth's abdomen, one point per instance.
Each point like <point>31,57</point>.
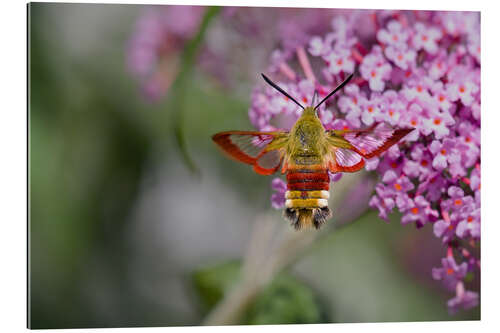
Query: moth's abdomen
<point>307,197</point>
<point>307,189</point>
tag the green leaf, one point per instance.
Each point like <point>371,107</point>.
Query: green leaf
<point>213,282</point>
<point>286,300</point>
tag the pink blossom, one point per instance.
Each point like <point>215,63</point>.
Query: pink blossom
<point>340,61</point>
<point>450,272</point>
<point>404,58</point>
<point>445,153</point>
<point>384,205</point>
<point>463,91</point>
<point>439,123</point>
<point>419,210</point>
<point>394,35</point>
<point>278,198</point>
<point>375,69</point>
<point>370,110</point>
<point>464,299</point>
<point>445,228</point>
<point>319,46</point>
<point>442,98</point>
<point>438,67</point>
<point>426,38</point>
<point>470,222</point>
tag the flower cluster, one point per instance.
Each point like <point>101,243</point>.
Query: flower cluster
<point>156,43</point>
<point>235,40</point>
<point>415,69</point>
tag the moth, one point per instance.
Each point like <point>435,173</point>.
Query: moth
<point>306,154</point>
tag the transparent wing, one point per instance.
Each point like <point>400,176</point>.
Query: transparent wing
<point>349,148</point>
<point>372,141</point>
<point>345,160</point>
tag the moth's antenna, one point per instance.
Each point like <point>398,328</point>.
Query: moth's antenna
<point>275,86</point>
<point>335,90</point>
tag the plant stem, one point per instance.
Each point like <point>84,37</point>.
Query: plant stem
<point>179,90</point>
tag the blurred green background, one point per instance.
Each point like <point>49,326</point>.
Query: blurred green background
<point>122,233</point>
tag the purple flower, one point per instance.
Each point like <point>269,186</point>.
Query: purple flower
<point>439,123</point>
<point>403,58</point>
<point>442,98</point>
<point>475,179</point>
<point>462,91</point>
<point>433,186</point>
<point>393,106</point>
<point>319,46</point>
<point>426,38</point>
<point>370,110</point>
<point>350,104</point>
<point>450,272</point>
<point>419,166</point>
<point>384,205</point>
<point>464,299</point>
<point>470,144</point>
<point>445,154</point>
<point>155,45</point>
<point>459,23</point>
<point>457,200</point>
<point>335,177</point>
<point>438,67</point>
<point>340,61</point>
<point>445,228</point>
<point>394,35</point>
<point>278,198</point>
<point>375,69</point>
<point>470,223</point>
<point>419,211</point>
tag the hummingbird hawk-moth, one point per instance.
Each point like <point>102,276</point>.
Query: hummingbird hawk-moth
<point>306,154</point>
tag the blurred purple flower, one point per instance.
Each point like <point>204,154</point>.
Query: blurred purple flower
<point>394,35</point>
<point>278,198</point>
<point>464,299</point>
<point>426,37</point>
<point>158,38</point>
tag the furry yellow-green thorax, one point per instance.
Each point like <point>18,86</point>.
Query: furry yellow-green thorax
<point>307,138</point>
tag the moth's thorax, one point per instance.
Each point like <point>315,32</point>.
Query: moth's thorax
<point>307,137</point>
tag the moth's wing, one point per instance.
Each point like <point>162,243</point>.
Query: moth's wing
<point>341,155</point>
<point>348,148</point>
<point>263,150</point>
<point>344,160</point>
<point>372,141</point>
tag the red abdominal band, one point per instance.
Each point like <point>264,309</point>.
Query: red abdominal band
<point>309,186</point>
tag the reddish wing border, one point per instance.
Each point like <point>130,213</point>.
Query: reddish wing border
<point>334,165</point>
<point>223,141</point>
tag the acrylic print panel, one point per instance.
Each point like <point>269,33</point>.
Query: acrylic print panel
<point>137,219</point>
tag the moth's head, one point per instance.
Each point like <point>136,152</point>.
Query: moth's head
<point>309,111</point>
<point>312,109</point>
